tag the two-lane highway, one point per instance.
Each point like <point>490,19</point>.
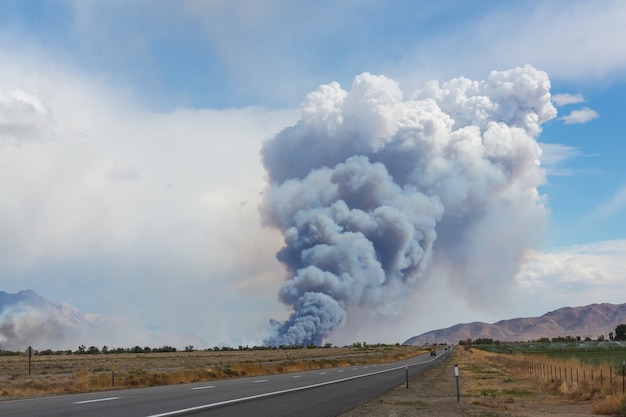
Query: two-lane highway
<point>317,393</point>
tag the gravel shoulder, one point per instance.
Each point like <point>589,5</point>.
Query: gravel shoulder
<point>485,392</point>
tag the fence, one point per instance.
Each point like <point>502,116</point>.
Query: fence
<point>569,375</point>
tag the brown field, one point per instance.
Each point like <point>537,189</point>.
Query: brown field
<point>499,385</point>
<point>72,373</point>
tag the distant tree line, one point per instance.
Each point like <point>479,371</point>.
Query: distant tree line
<point>94,350</point>
<point>619,334</point>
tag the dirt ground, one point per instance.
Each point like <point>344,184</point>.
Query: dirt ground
<point>483,394</point>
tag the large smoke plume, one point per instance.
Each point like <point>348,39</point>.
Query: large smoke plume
<point>374,193</point>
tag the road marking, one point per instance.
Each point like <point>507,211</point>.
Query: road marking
<point>341,370</point>
<point>322,373</point>
<point>97,400</point>
<point>270,394</point>
<point>297,376</point>
<point>261,380</point>
<point>203,387</point>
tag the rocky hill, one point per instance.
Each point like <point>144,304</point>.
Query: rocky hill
<point>592,320</point>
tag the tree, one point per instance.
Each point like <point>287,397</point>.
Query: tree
<point>93,350</point>
<point>620,332</point>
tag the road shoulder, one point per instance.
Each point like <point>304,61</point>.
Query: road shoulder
<point>484,391</point>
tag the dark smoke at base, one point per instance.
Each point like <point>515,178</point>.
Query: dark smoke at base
<point>372,192</point>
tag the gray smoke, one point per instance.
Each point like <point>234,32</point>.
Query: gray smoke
<point>22,328</point>
<point>374,192</point>
<point>27,319</point>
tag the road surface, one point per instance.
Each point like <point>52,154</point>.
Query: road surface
<point>320,393</point>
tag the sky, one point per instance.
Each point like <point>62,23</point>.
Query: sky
<point>149,150</point>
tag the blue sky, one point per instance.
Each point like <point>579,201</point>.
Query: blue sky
<point>133,177</point>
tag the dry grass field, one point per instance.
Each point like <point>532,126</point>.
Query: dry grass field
<point>497,385</point>
<point>72,373</point>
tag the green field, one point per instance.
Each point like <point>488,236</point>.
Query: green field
<point>591,353</point>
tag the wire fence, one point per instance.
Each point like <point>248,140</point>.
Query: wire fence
<point>569,375</point>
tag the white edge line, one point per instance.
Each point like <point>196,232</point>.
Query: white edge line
<point>97,400</point>
<point>269,394</point>
<point>203,387</point>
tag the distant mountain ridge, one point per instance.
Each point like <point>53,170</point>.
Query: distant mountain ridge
<point>592,320</point>
<point>26,297</point>
<point>27,319</point>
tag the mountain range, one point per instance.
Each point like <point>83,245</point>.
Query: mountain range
<point>587,321</point>
<point>28,319</point>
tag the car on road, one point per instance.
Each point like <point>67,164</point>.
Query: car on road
<point>433,353</point>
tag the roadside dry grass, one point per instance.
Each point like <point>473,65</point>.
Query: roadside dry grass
<point>491,386</point>
<point>55,374</point>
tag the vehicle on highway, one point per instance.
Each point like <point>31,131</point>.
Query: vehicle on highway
<point>433,353</point>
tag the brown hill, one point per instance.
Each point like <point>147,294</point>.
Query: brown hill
<point>592,320</point>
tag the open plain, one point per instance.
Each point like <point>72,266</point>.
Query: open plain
<point>73,373</point>
<point>490,384</point>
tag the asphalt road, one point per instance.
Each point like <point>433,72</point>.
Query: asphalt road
<point>320,393</point>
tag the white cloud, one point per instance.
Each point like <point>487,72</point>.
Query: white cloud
<point>154,215</point>
<point>581,116</point>
<point>574,276</point>
<point>22,117</point>
<point>583,41</point>
<point>565,99</point>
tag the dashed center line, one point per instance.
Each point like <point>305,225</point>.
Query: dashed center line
<point>267,394</point>
<point>261,380</point>
<point>97,400</point>
<point>204,387</point>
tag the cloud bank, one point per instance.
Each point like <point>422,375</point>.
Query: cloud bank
<point>575,275</point>
<point>376,193</point>
<point>139,210</point>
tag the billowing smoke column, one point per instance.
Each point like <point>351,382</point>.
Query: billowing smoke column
<point>374,192</point>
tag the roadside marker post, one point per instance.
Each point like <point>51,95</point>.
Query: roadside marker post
<point>456,375</point>
<point>406,372</point>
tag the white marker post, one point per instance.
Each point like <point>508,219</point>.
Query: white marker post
<point>456,375</point>
<point>406,372</point>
